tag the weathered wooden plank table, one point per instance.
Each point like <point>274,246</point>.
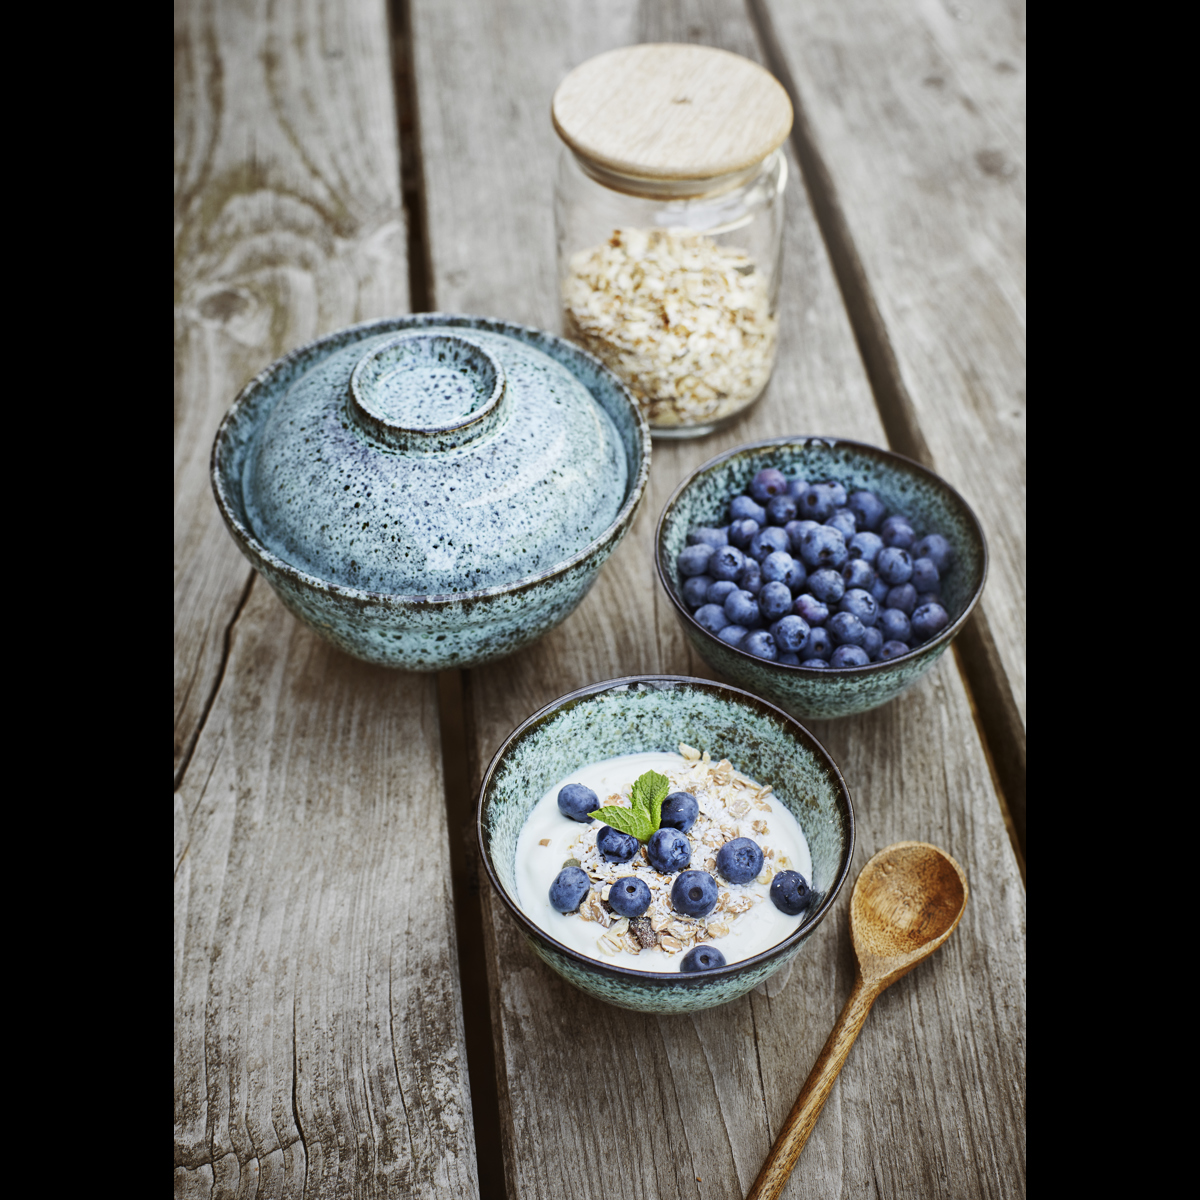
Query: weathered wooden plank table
<point>353,1014</point>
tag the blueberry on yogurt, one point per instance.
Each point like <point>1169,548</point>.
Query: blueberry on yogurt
<point>615,846</point>
<point>790,893</point>
<point>571,885</point>
<point>679,811</point>
<point>701,958</point>
<point>694,893</point>
<point>629,896</point>
<point>740,860</point>
<point>668,851</point>
<point>576,801</point>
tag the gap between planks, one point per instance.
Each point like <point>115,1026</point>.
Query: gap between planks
<point>997,719</point>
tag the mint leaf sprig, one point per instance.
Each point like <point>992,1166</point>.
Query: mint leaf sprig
<point>647,796</point>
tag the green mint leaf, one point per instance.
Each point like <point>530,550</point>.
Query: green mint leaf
<point>627,820</point>
<point>649,792</point>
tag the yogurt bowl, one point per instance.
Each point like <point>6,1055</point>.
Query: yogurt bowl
<point>642,715</point>
<point>433,490</point>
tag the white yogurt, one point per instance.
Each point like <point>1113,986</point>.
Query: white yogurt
<point>548,838</point>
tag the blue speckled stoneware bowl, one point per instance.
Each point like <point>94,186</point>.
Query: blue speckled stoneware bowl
<point>906,487</point>
<point>431,491</point>
<point>656,713</point>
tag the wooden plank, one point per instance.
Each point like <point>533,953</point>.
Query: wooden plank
<point>318,1024</point>
<point>288,224</point>
<point>692,1107</point>
<point>915,112</point>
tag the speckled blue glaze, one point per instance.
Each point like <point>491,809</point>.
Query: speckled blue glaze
<point>906,487</point>
<point>648,713</point>
<point>433,490</point>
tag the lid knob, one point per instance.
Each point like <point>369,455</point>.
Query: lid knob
<point>427,391</point>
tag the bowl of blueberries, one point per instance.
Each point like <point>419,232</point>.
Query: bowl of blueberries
<point>824,575</point>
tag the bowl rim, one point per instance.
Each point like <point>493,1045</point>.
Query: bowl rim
<point>946,635</point>
<point>261,556</point>
<point>748,699</point>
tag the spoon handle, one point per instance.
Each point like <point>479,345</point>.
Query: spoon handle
<point>803,1117</point>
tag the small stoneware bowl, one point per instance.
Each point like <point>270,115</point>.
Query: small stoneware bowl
<point>931,506</point>
<point>433,490</point>
<point>656,713</point>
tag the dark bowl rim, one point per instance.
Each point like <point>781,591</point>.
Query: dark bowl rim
<point>259,553</point>
<point>945,636</point>
<point>677,978</point>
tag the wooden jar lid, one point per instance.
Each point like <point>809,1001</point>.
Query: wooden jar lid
<point>671,112</point>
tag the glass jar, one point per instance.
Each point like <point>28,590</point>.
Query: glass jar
<point>668,265</point>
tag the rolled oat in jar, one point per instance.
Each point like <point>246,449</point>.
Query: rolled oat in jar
<point>669,219</point>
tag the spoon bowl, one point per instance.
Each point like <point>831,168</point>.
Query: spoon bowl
<point>907,901</point>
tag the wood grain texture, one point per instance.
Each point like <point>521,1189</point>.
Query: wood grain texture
<point>599,1102</point>
<point>288,224</point>
<point>318,1029</point>
<point>916,111</point>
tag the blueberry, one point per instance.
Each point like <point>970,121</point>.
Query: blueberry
<point>890,650</point>
<point>767,541</point>
<point>928,621</point>
<point>865,546</point>
<point>742,508</point>
<point>843,521</point>
<point>739,861</point>
<point>934,597</point>
<point>849,656</point>
<point>693,560</point>
<point>711,617</point>
<point>797,487</point>
<point>896,531</point>
<point>811,609</point>
<point>936,549</point>
<point>781,567</point>
<point>796,530</point>
<point>815,664</point>
<point>701,958</point>
<point>728,562</point>
<point>740,533</point>
<point>872,642</point>
<point>893,565</point>
<point>742,609</point>
<point>615,846</point>
<point>821,547</point>
<point>767,483</point>
<point>879,590</point>
<point>790,634</point>
<point>732,635</point>
<point>774,601</point>
<point>894,625</point>
<point>781,510</point>
<point>719,590</point>
<point>668,851</point>
<point>925,577</point>
<point>679,811</point>
<point>868,508</point>
<point>576,801</point>
<point>788,659</point>
<point>827,585</point>
<point>846,629</point>
<point>694,893</point>
<point>695,590</point>
<point>858,574</point>
<point>752,581</point>
<point>838,493</point>
<point>903,597</point>
<point>861,604</point>
<point>790,893</point>
<point>816,503</point>
<point>629,896</point>
<point>761,644</point>
<point>708,537</point>
<point>569,888</point>
<point>820,644</point>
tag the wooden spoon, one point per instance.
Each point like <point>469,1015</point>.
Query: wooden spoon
<point>906,903</point>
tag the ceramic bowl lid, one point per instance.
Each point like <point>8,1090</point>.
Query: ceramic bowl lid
<point>433,460</point>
